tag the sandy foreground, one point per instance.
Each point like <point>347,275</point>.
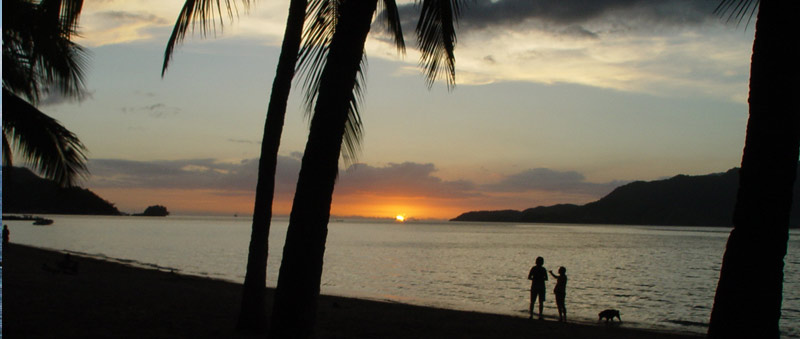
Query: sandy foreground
<point>111,300</point>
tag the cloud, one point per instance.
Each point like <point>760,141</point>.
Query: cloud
<point>673,48</point>
<point>147,94</point>
<point>157,110</point>
<point>116,22</point>
<point>189,174</point>
<point>120,26</point>
<point>123,17</point>
<point>358,184</point>
<point>404,179</point>
<point>485,14</point>
<point>544,179</point>
<point>243,141</point>
<point>578,32</point>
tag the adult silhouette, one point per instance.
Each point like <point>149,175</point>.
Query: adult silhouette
<point>537,276</point>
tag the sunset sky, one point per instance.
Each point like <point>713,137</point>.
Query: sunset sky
<point>556,102</point>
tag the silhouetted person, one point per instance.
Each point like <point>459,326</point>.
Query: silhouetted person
<point>6,234</point>
<point>537,275</point>
<point>561,292</point>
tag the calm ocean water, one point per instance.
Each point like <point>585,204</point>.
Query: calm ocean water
<point>659,277</point>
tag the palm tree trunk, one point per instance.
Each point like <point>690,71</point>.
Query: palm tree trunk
<point>295,304</point>
<point>252,316</point>
<point>750,289</point>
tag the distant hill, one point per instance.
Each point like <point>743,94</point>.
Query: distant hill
<point>153,211</point>
<point>25,192</point>
<point>703,200</point>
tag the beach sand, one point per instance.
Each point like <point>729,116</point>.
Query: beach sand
<point>108,299</point>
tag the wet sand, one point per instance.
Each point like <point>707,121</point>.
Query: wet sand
<point>108,299</point>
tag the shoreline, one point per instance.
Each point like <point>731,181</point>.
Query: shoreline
<point>110,299</point>
<point>372,298</point>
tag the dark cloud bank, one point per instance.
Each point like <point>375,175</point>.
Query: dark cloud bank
<point>157,110</point>
<point>394,179</point>
<point>132,17</point>
<point>570,16</point>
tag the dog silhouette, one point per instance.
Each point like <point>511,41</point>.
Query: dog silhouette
<point>609,314</point>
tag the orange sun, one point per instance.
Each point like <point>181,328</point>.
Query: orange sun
<point>400,218</point>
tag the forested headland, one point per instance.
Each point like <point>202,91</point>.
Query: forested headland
<point>683,200</point>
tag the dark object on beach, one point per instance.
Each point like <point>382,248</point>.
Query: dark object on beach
<point>6,234</point>
<point>42,222</point>
<point>609,314</point>
<point>66,266</point>
<point>154,211</point>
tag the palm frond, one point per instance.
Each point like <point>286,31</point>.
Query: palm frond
<point>353,129</point>
<point>70,11</point>
<point>321,19</point>
<point>17,73</point>
<point>392,20</point>
<point>42,141</point>
<point>38,55</point>
<point>737,10</point>
<point>7,158</point>
<point>63,13</point>
<point>202,14</point>
<point>61,66</point>
<point>436,36</point>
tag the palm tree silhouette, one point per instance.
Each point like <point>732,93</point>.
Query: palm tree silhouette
<point>295,304</point>
<point>252,314</point>
<point>750,288</point>
<point>38,59</point>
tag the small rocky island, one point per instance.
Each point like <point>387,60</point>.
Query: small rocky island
<point>154,211</point>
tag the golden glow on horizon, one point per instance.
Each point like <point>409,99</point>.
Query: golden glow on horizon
<point>372,206</point>
<point>216,202</point>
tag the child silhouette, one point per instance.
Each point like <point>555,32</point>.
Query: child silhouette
<point>561,292</point>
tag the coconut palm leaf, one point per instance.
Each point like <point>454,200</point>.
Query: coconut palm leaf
<point>61,67</point>
<point>40,59</point>
<point>41,141</point>
<point>436,36</point>
<point>322,18</point>
<point>7,158</point>
<point>38,56</point>
<point>204,13</point>
<point>17,44</point>
<point>63,12</point>
<point>392,21</point>
<point>17,75</point>
<point>737,10</point>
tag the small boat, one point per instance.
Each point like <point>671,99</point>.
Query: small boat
<point>42,222</point>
